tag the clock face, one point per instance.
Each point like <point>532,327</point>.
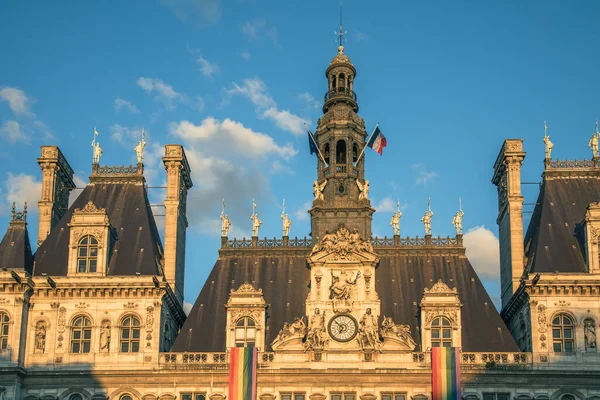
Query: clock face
<point>343,327</point>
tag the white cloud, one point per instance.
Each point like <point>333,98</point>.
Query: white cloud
<point>423,175</point>
<point>17,100</point>
<point>13,132</point>
<point>207,68</point>
<point>124,104</point>
<point>386,205</point>
<point>127,137</point>
<point>162,91</point>
<point>22,188</point>
<point>257,29</point>
<point>245,55</point>
<point>279,168</point>
<point>244,142</point>
<point>257,92</point>
<point>187,307</point>
<point>302,213</point>
<point>310,101</point>
<point>483,250</point>
<point>197,12</point>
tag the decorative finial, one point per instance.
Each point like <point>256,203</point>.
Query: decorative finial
<point>19,215</point>
<point>139,149</point>
<point>395,222</point>
<point>13,212</point>
<point>457,220</point>
<point>341,34</point>
<point>547,142</point>
<point>427,218</point>
<point>225,222</point>
<point>97,152</point>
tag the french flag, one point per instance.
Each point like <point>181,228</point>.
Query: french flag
<point>377,141</point>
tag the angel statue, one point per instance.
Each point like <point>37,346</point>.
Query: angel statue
<point>318,189</point>
<point>427,219</point>
<point>97,150</point>
<point>139,148</point>
<point>256,223</point>
<point>395,222</point>
<point>457,220</point>
<point>225,222</point>
<point>364,189</point>
<point>547,142</point>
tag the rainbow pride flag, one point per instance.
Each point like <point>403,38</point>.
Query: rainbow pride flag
<point>445,373</point>
<point>242,373</point>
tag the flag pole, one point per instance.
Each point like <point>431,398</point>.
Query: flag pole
<point>316,145</point>
<point>363,150</point>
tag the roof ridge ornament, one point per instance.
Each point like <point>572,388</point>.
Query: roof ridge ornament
<point>19,215</point>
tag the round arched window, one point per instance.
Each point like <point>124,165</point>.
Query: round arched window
<point>562,334</point>
<point>87,254</point>
<point>130,334</point>
<point>4,328</point>
<point>81,335</point>
<point>126,397</point>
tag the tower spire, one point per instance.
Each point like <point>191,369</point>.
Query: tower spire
<point>341,34</point>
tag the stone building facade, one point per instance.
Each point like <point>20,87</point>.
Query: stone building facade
<point>96,312</point>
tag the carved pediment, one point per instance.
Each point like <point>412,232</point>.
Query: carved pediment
<point>291,335</point>
<point>343,245</point>
<point>89,208</point>
<point>440,287</point>
<point>396,337</point>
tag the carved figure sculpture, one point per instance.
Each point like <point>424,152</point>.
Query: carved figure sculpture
<point>590,334</point>
<point>341,290</point>
<point>40,337</point>
<point>296,328</point>
<point>287,223</point>
<point>97,151</point>
<point>318,189</point>
<point>427,221</point>
<point>105,336</point>
<point>364,189</point>
<point>369,331</point>
<point>395,221</point>
<point>549,146</point>
<point>139,148</point>
<point>399,332</point>
<point>593,144</point>
<point>225,224</point>
<point>256,223</point>
<point>316,337</point>
<point>457,221</point>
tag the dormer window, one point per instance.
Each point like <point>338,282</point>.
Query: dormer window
<point>245,332</point>
<point>87,254</point>
<point>441,332</point>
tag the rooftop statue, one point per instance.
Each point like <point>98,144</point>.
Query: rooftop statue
<point>593,143</point>
<point>457,220</point>
<point>97,152</point>
<point>225,222</point>
<point>139,148</point>
<point>547,142</point>
<point>427,219</point>
<point>318,189</point>
<point>256,222</point>
<point>364,189</point>
<point>395,221</point>
<point>287,222</point>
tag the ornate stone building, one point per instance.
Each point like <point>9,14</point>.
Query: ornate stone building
<point>97,312</point>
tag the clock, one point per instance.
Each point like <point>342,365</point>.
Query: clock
<point>343,327</point>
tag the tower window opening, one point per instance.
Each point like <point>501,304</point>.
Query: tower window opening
<point>354,153</point>
<point>333,82</point>
<point>342,80</point>
<point>340,152</point>
<point>326,153</point>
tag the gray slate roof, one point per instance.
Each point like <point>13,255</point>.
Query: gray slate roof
<point>15,249</point>
<point>554,241</point>
<point>133,224</point>
<point>400,281</point>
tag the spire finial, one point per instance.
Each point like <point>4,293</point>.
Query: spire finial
<point>341,34</point>
<point>13,212</point>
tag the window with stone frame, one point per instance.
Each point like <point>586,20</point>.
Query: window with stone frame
<point>563,340</point>
<point>126,397</point>
<point>343,396</point>
<point>129,337</point>
<point>496,396</point>
<point>293,396</point>
<point>193,396</point>
<point>87,254</point>
<point>245,332</point>
<point>4,329</point>
<point>393,396</point>
<point>441,332</point>
<point>81,334</point>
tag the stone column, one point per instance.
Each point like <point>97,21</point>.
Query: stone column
<point>178,183</point>
<point>57,183</point>
<point>507,177</point>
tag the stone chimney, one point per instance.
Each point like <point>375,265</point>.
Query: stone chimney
<point>178,183</point>
<point>57,183</point>
<point>507,177</point>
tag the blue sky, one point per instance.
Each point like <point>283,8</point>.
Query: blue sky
<point>234,80</point>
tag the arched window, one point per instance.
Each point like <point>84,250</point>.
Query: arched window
<point>562,334</point>
<point>340,152</point>
<point>567,397</point>
<point>81,335</point>
<point>87,254</point>
<point>4,327</point>
<point>354,152</point>
<point>326,153</point>
<point>130,334</point>
<point>441,332</point>
<point>76,397</point>
<point>342,80</point>
<point>126,397</point>
<point>245,332</point>
<point>333,82</point>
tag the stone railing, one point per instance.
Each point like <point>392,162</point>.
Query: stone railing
<point>255,242</point>
<point>490,360</point>
<point>417,241</point>
<point>117,173</point>
<point>207,360</point>
<point>570,164</point>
